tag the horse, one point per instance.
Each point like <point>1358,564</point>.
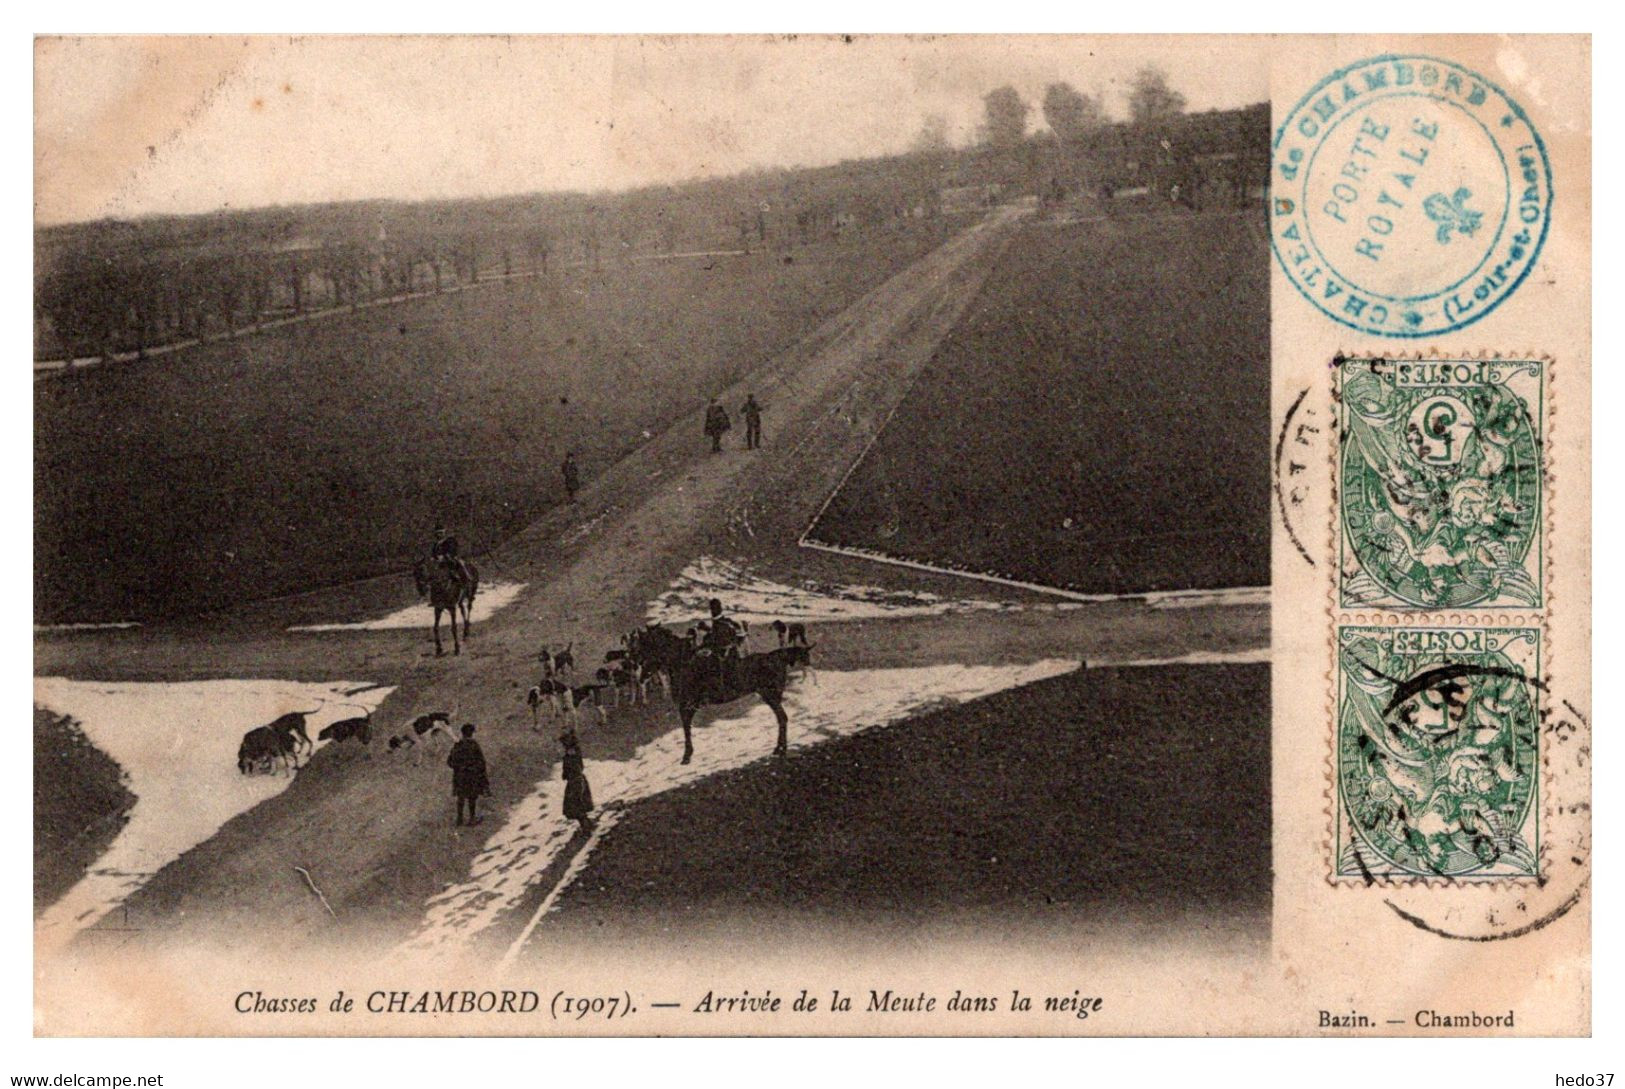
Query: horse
<point>693,684</point>
<point>451,588</point>
<point>658,653</point>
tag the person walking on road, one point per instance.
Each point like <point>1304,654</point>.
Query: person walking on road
<point>572,476</point>
<point>577,791</point>
<point>753,422</point>
<point>716,422</point>
<point>468,780</point>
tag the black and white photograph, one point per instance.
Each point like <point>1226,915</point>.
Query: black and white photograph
<point>620,535</point>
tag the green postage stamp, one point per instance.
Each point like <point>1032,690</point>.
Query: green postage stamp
<point>1438,752</point>
<point>1440,483</point>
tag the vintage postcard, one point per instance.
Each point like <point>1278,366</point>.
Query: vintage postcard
<point>802,535</point>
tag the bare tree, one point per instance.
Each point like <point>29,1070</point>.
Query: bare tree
<point>1005,120</point>
<point>1151,99</point>
<point>1070,113</point>
<point>296,284</point>
<point>259,286</point>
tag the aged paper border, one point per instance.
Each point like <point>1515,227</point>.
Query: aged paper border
<point>1278,876</point>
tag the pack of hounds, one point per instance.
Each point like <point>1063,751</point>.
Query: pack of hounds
<point>279,745</point>
<point>627,673</point>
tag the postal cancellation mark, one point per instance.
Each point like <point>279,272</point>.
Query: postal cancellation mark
<point>1409,196</point>
<point>1438,761</point>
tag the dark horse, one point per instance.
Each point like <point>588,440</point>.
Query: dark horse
<point>694,683</point>
<point>451,588</point>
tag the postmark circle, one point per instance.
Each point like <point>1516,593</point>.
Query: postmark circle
<point>1409,196</point>
<point>1438,753</point>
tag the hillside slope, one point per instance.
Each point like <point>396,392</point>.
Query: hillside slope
<point>326,451</point>
<point>1097,422</point>
<point>1070,801</point>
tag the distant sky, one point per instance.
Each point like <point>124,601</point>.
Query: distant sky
<point>133,126</point>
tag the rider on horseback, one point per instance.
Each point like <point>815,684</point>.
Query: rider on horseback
<point>721,645</point>
<point>444,553</point>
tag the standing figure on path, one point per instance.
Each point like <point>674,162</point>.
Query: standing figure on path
<point>716,422</point>
<point>577,791</point>
<point>572,477</point>
<point>753,422</point>
<point>468,779</point>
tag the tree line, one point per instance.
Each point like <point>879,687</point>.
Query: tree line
<point>119,288</point>
<point>104,297</point>
<point>1193,159</point>
<point>115,287</point>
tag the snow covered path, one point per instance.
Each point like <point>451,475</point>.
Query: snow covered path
<point>177,745</point>
<point>837,705</point>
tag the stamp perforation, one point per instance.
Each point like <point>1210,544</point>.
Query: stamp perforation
<point>1538,619</point>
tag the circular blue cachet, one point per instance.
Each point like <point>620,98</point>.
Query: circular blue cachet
<point>1408,196</point>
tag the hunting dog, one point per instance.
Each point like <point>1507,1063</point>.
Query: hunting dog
<point>793,634</point>
<point>261,748</point>
<point>424,728</point>
<point>554,663</point>
<point>576,696</point>
<point>291,729</point>
<point>345,729</point>
<point>552,692</point>
<point>623,672</point>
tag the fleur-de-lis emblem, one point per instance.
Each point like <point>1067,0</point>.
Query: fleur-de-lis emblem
<point>1452,214</point>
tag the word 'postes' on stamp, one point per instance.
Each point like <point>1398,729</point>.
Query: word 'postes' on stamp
<point>1409,196</point>
<point>1439,482</point>
<point>1438,761</point>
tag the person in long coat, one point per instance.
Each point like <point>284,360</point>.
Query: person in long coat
<point>572,476</point>
<point>753,422</point>
<point>716,422</point>
<point>577,791</point>
<point>468,779</point>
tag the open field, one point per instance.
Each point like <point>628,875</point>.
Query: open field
<point>326,451</point>
<point>374,832</point>
<point>590,570</point>
<point>1113,793</point>
<point>1097,422</point>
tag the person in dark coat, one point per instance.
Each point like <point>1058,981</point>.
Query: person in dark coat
<point>753,422</point>
<point>722,642</point>
<point>577,791</point>
<point>468,779</point>
<point>572,476</point>
<point>716,422</point>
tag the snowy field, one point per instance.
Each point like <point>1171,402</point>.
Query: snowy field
<point>838,705</point>
<point>177,745</point>
<point>760,600</point>
<point>498,595</point>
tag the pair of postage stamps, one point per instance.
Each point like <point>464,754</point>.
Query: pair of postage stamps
<point>1410,196</point>
<point>1440,472</point>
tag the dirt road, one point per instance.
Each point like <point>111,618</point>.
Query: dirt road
<point>374,832</point>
